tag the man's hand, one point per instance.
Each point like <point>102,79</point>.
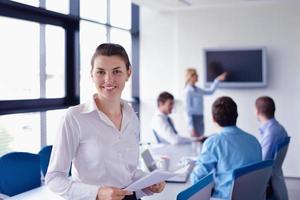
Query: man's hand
<point>157,188</point>
<point>194,133</point>
<point>201,139</point>
<point>111,193</point>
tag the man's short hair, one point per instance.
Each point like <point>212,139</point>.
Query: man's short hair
<point>163,97</point>
<point>224,111</point>
<point>265,106</point>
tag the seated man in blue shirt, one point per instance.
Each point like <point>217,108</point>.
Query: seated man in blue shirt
<point>273,133</point>
<point>231,148</point>
<point>162,125</point>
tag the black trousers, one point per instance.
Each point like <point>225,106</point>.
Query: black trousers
<point>131,197</point>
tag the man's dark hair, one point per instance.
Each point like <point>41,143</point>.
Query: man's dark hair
<point>265,106</point>
<point>224,111</point>
<point>163,97</point>
<point>110,49</point>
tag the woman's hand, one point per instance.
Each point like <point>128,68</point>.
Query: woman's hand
<point>222,76</point>
<point>111,193</point>
<point>157,188</point>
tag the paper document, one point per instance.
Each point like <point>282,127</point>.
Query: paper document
<point>154,177</point>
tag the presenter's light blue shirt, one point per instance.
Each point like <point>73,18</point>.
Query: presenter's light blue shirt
<point>222,153</point>
<point>194,100</point>
<point>272,134</point>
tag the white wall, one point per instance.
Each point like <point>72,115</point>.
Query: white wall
<point>171,42</point>
<point>157,62</point>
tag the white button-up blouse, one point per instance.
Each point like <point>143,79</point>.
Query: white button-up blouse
<point>101,155</point>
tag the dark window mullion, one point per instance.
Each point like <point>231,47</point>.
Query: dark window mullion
<point>107,26</point>
<point>43,78</point>
<point>135,57</point>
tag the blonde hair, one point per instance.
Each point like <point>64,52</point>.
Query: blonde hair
<point>190,72</point>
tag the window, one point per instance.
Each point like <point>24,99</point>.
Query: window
<point>120,13</point>
<point>53,119</point>
<point>39,69</point>
<point>55,62</point>
<point>61,6</point>
<point>29,2</point>
<point>20,132</point>
<point>95,10</point>
<point>19,63</point>
<point>37,72</point>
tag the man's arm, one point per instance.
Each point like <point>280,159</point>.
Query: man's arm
<point>206,162</point>
<point>164,130</point>
<point>267,146</point>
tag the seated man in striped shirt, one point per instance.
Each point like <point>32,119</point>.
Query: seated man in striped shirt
<point>272,134</point>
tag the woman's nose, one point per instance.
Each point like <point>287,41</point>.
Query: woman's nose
<point>108,77</point>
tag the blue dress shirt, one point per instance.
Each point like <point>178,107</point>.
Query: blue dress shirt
<point>222,153</point>
<point>272,133</point>
<point>194,100</point>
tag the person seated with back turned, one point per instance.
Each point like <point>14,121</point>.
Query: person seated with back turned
<point>231,148</point>
<point>272,134</point>
<point>162,125</point>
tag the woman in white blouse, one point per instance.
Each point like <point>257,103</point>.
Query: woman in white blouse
<point>100,138</point>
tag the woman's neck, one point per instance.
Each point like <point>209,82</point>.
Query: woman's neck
<point>108,106</point>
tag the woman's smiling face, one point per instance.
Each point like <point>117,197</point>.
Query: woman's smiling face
<point>109,75</point>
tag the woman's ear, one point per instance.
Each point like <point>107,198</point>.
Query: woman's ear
<point>128,73</point>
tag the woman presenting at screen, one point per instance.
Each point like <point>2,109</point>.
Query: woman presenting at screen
<point>194,100</point>
<point>100,138</point>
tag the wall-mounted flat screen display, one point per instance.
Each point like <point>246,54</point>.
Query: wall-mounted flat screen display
<point>246,67</point>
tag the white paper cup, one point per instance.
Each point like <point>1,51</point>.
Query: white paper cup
<point>163,163</point>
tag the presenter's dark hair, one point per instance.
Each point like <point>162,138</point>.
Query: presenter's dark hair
<point>163,97</point>
<point>224,111</point>
<point>265,106</point>
<point>111,49</point>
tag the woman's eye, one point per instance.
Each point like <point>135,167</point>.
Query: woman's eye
<point>117,72</point>
<point>101,72</point>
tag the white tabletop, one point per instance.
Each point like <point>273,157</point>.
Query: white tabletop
<point>40,193</point>
<point>175,152</point>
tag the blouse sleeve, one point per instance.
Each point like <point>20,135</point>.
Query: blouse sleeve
<point>63,152</point>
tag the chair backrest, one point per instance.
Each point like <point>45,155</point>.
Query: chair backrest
<point>45,154</point>
<point>250,182</point>
<point>19,172</point>
<point>280,153</point>
<point>199,191</point>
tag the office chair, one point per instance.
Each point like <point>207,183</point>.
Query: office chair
<point>45,154</point>
<point>278,186</point>
<point>199,191</point>
<point>250,182</point>
<point>19,172</point>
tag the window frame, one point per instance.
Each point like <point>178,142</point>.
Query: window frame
<point>70,24</point>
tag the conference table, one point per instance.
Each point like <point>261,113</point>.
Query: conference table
<point>176,153</point>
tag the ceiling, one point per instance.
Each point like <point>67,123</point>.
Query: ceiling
<point>192,4</point>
